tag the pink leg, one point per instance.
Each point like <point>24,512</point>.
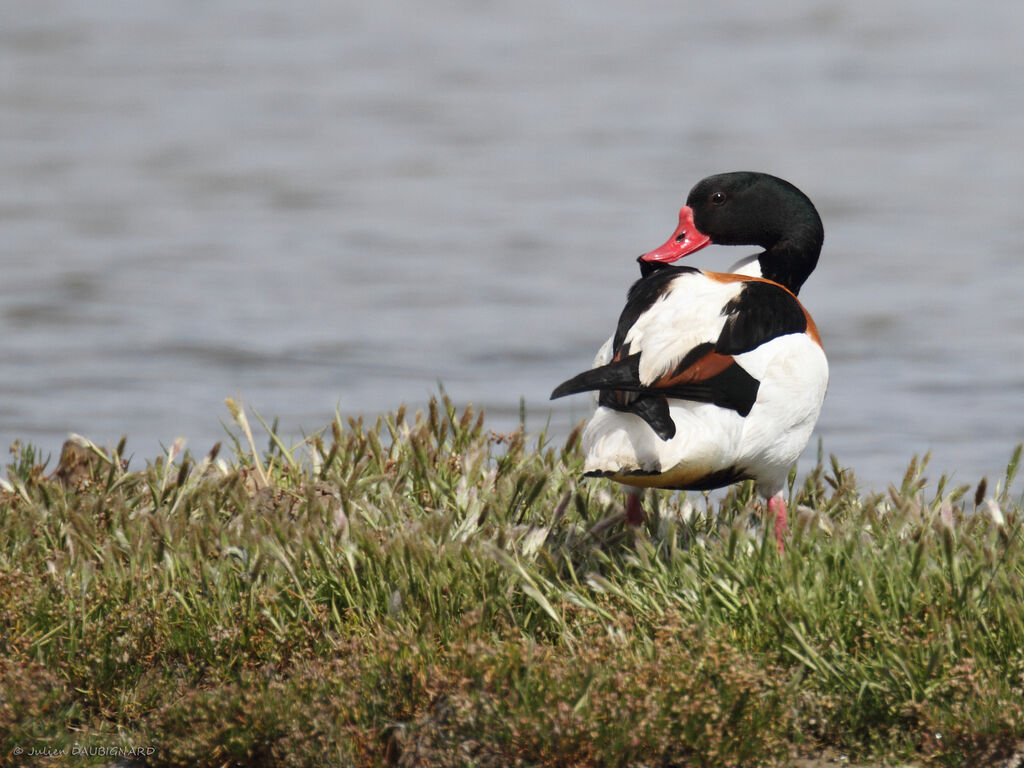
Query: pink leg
<point>777,513</point>
<point>634,510</point>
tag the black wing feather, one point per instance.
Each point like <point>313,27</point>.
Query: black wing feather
<point>761,312</point>
<point>621,374</point>
<point>732,388</point>
<point>654,410</point>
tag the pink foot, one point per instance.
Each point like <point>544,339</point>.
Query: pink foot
<point>634,511</point>
<point>777,513</point>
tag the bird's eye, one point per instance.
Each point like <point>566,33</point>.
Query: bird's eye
<point>717,198</point>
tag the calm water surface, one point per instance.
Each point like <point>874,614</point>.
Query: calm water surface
<point>342,204</point>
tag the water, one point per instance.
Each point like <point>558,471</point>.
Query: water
<point>338,205</point>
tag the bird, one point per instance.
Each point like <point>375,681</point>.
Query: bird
<point>712,378</point>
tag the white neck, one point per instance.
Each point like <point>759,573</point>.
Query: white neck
<point>748,265</point>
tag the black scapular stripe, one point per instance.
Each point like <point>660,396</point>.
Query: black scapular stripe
<point>731,388</point>
<point>761,312</point>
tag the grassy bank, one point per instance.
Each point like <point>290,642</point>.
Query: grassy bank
<point>425,592</point>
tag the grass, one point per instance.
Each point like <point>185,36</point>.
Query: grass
<point>422,591</point>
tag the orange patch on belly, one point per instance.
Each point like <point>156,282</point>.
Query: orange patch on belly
<point>683,477</point>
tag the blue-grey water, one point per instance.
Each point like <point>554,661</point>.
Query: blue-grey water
<point>339,204</point>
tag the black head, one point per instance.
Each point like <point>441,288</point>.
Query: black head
<point>746,208</point>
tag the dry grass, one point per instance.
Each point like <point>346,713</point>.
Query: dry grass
<point>427,592</point>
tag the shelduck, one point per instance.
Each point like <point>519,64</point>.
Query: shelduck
<point>712,378</point>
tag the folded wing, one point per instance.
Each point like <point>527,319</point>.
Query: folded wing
<point>678,338</point>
